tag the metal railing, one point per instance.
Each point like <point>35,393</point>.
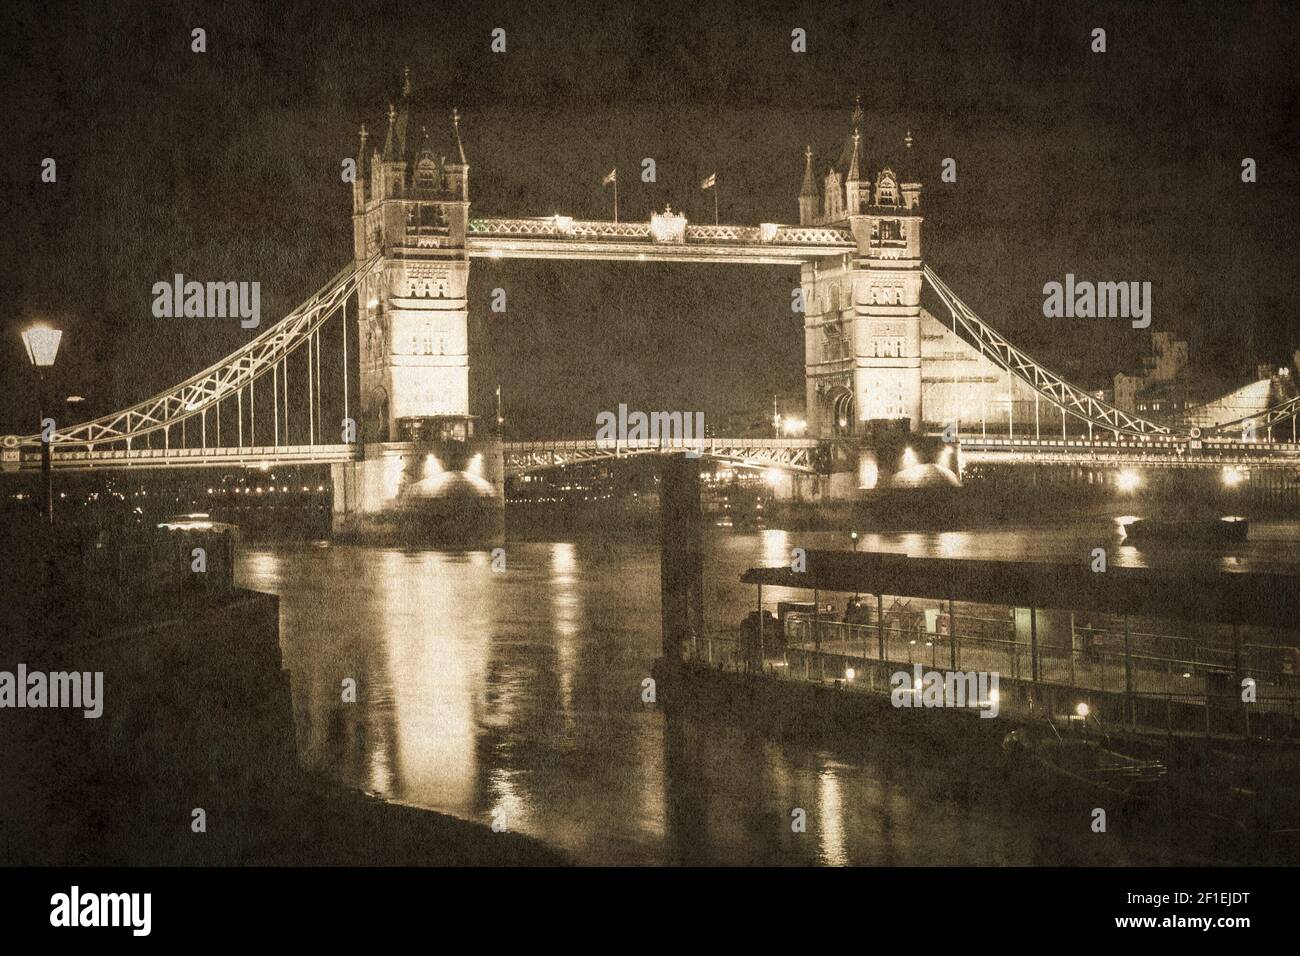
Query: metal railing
<point>1187,689</point>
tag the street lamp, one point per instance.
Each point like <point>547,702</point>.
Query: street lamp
<point>42,344</point>
<point>854,535</point>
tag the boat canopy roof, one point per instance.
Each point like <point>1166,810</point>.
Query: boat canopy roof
<point>1222,597</point>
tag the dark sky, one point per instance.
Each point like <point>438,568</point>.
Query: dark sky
<point>225,165</point>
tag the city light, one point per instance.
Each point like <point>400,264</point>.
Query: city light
<point>1081,709</point>
<point>793,426</point>
<point>1128,480</point>
<point>1233,476</point>
<point>42,343</point>
<point>773,476</point>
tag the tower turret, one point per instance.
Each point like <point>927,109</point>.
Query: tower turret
<point>807,192</point>
<point>852,185</point>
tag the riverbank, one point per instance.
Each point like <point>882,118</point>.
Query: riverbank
<point>193,759</point>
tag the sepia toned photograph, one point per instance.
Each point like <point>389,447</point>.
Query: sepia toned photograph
<point>848,435</point>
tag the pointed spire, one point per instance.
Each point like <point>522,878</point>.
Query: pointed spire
<point>809,188</point>
<point>455,124</point>
<point>406,81</point>
<point>426,148</point>
<point>857,111</point>
<point>390,148</point>
<point>853,161</point>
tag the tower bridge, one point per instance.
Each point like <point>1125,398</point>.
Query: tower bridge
<point>395,424</point>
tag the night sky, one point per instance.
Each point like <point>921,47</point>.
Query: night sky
<point>225,166</point>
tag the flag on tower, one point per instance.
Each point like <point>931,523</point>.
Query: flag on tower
<point>612,177</point>
<point>710,182</point>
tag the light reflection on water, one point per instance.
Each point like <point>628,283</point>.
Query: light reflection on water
<point>520,693</point>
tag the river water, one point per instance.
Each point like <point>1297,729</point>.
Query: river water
<point>515,697</point>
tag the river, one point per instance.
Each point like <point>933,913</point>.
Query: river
<point>515,696</point>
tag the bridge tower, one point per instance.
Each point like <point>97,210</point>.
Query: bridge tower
<point>410,203</point>
<point>423,467</point>
<point>862,324</point>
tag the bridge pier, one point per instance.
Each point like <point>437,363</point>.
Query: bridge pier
<point>681,564</point>
<point>445,493</point>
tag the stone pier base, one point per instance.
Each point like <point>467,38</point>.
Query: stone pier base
<point>422,494</point>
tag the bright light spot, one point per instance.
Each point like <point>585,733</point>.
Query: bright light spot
<point>564,557</point>
<point>372,304</point>
<point>909,458</point>
<point>868,474</point>
<point>773,476</point>
<point>1233,476</point>
<point>794,426</point>
<point>994,697</point>
<point>1081,710</point>
<point>42,344</point>
<point>850,673</point>
<point>1128,480</point>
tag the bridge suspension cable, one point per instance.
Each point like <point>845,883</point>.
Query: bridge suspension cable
<point>266,354</point>
<point>1262,422</point>
<point>1046,383</point>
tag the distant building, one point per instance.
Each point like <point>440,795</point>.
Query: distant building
<point>1162,380</point>
<point>1167,389</point>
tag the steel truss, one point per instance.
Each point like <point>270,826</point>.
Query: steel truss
<point>1263,421</point>
<point>789,454</point>
<point>1046,383</point>
<point>227,378</point>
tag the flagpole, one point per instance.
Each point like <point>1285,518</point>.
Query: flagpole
<point>715,202</point>
<point>616,197</point>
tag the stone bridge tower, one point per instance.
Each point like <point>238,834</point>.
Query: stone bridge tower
<point>424,475</point>
<point>862,324</point>
<point>410,202</point>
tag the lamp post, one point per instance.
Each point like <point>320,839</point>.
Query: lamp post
<point>854,535</point>
<point>42,344</point>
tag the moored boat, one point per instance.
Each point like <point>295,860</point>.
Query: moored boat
<point>1202,530</point>
<point>1078,766</point>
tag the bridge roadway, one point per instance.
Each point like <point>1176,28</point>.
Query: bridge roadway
<point>1155,452</point>
<point>789,454</point>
